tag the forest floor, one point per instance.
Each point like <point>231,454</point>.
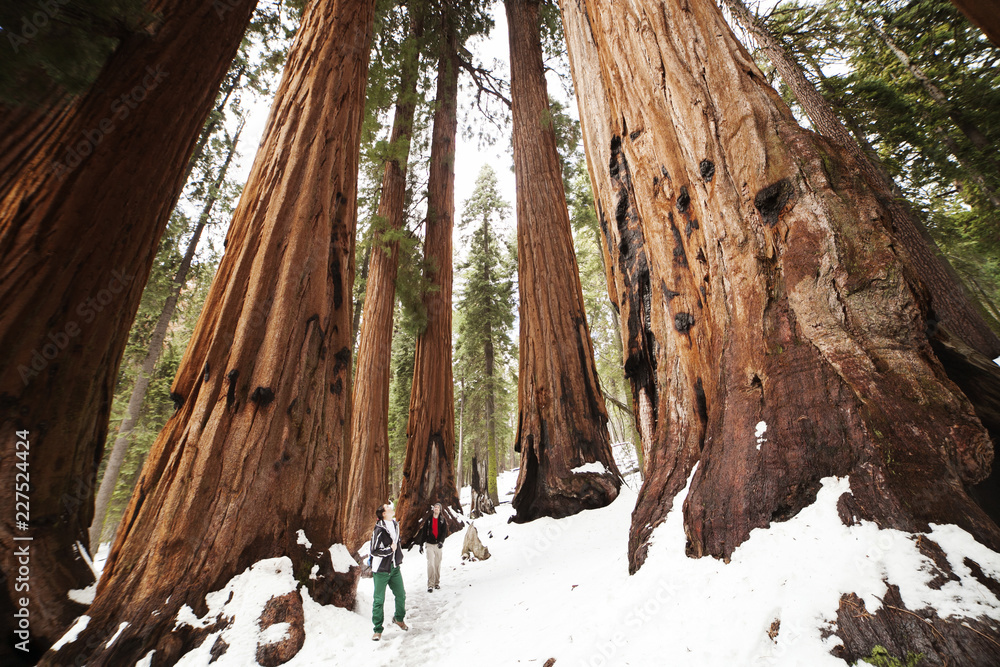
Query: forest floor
<point>561,589</point>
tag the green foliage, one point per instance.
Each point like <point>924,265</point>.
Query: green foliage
<point>485,351</point>
<point>929,148</point>
<point>880,657</point>
<point>404,344</point>
<point>60,44</point>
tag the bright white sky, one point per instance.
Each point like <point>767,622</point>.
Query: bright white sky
<point>469,157</point>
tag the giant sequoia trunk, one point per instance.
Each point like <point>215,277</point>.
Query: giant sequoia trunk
<point>368,480</point>
<point>257,449</point>
<point>759,282</point>
<point>428,469</point>
<point>79,226</point>
<point>138,396</point>
<point>951,305</point>
<point>562,421</point>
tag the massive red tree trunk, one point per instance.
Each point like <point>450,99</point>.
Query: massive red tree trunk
<point>950,303</point>
<point>368,480</point>
<point>79,226</point>
<point>428,469</point>
<point>562,420</point>
<point>138,396</point>
<point>759,281</point>
<point>257,449</point>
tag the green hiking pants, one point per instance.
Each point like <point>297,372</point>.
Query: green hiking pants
<point>394,579</point>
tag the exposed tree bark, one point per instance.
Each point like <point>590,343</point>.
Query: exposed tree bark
<point>764,281</point>
<point>459,470</point>
<point>952,305</point>
<point>562,420</point>
<point>26,128</point>
<point>79,227</point>
<point>428,473</point>
<point>985,14</point>
<point>368,479</point>
<point>257,449</point>
<point>489,354</point>
<point>138,395</point>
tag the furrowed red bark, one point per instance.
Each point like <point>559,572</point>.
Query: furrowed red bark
<point>79,225</point>
<point>257,449</point>
<point>428,469</point>
<point>562,420</point>
<point>368,480</point>
<point>952,306</point>
<point>138,396</point>
<point>759,282</point>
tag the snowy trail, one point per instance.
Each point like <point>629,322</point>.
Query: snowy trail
<point>560,588</point>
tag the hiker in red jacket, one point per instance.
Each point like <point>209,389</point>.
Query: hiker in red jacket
<point>431,534</point>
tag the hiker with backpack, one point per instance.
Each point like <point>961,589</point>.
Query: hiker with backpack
<point>386,556</point>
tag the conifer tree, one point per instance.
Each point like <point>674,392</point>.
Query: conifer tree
<point>486,312</point>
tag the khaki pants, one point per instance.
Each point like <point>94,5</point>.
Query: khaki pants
<point>433,564</point>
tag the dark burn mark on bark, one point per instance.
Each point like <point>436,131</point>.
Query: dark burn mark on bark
<point>205,372</point>
<point>667,292</point>
<point>616,147</point>
<point>683,322</point>
<point>700,401</point>
<point>691,226</point>
<point>683,200</point>
<point>663,170</point>
<point>232,376</point>
<point>291,406</point>
<point>337,387</point>
<point>342,359</point>
<point>704,293</point>
<point>701,256</point>
<point>771,200</point>
<point>635,135</point>
<point>707,170</point>
<point>679,256</point>
<point>636,297</point>
<point>262,396</point>
<point>177,399</point>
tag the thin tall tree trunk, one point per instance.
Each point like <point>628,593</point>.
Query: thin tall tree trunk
<point>963,123</point>
<point>953,306</point>
<point>138,395</point>
<point>562,420</point>
<point>460,471</point>
<point>983,13</point>
<point>428,476</point>
<point>758,271</point>
<point>79,228</point>
<point>256,451</point>
<point>368,479</point>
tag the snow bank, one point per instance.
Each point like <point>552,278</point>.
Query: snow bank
<point>562,589</point>
<point>74,631</point>
<point>593,466</point>
<point>242,600</point>
<point>341,558</point>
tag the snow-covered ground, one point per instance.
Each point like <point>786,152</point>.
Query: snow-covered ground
<point>560,589</point>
